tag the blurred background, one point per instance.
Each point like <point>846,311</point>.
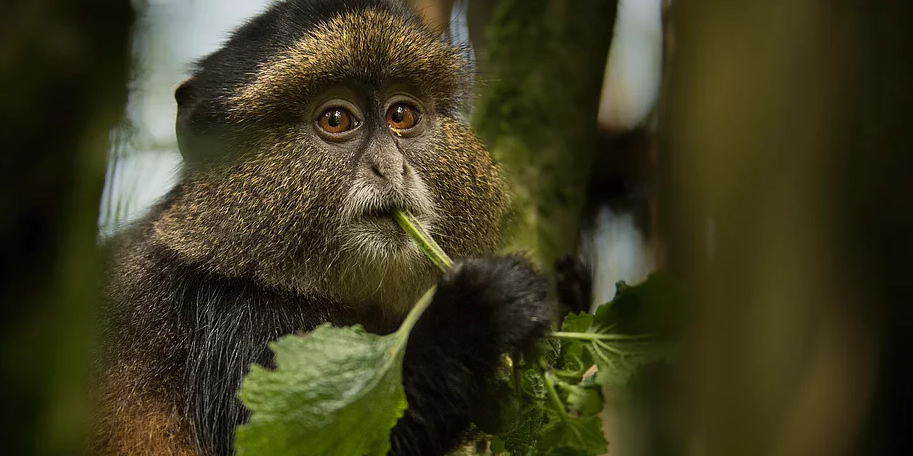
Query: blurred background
<point>758,150</point>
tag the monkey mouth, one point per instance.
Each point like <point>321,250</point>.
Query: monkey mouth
<point>381,218</point>
<point>383,211</point>
<point>372,236</point>
<point>368,216</point>
<point>368,201</point>
<point>375,224</point>
<point>371,205</point>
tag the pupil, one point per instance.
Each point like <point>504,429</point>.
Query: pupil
<point>398,115</point>
<point>334,119</point>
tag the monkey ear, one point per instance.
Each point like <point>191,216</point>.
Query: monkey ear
<point>184,94</point>
<point>187,97</point>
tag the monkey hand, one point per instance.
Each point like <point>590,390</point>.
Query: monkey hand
<point>483,307</point>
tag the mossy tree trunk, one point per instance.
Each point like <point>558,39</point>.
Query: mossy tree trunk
<point>544,63</point>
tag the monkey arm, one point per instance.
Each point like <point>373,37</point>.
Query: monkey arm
<point>482,308</point>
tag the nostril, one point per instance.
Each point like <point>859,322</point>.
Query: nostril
<point>405,169</point>
<point>376,170</point>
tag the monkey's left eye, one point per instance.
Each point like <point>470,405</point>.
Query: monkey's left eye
<point>402,116</point>
<point>336,120</point>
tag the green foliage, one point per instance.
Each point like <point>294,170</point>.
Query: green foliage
<point>559,398</point>
<point>572,436</point>
<point>586,401</point>
<point>331,384</point>
<point>338,391</point>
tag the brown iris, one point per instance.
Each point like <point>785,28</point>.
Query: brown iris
<point>336,120</point>
<point>402,116</point>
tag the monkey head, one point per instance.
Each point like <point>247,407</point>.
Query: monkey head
<point>304,131</point>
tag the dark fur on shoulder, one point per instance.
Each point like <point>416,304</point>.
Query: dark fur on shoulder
<point>186,335</point>
<point>274,229</point>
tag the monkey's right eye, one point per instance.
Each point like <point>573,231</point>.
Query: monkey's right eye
<point>336,120</point>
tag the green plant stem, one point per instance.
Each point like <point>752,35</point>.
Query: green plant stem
<point>602,355</point>
<point>553,395</point>
<point>592,336</point>
<point>609,348</point>
<point>414,314</point>
<point>424,240</point>
<point>434,253</point>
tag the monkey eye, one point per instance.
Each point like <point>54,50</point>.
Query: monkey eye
<point>336,120</point>
<point>402,116</point>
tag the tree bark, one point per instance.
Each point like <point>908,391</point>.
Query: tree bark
<point>544,62</point>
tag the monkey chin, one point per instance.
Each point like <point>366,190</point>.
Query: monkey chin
<point>381,266</point>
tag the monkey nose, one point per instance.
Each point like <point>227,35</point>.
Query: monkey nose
<point>389,169</point>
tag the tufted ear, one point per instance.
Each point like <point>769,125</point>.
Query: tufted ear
<point>187,96</point>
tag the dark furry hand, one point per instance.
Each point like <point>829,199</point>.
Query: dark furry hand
<point>488,306</point>
<point>483,307</point>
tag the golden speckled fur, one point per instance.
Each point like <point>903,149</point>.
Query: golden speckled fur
<point>399,49</point>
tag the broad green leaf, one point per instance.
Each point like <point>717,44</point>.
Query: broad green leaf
<point>335,391</point>
<point>623,359</point>
<point>623,335</point>
<point>575,359</point>
<point>648,307</point>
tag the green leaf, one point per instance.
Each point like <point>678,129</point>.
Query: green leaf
<point>532,384</point>
<point>580,322</point>
<point>575,361</point>
<point>648,307</point>
<point>586,401</point>
<point>328,385</point>
<point>520,440</point>
<point>623,335</point>
<point>497,446</point>
<point>572,436</point>
<point>625,358</point>
<point>546,351</point>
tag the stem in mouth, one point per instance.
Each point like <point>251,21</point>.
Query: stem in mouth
<point>424,241</point>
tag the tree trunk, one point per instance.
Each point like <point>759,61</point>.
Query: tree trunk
<point>544,62</point>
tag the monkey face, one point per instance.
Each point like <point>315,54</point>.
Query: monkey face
<point>380,134</point>
<point>299,144</point>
